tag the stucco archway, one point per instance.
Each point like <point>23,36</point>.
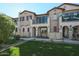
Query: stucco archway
<point>34,32</point>
<point>43,32</point>
<point>76,32</point>
<point>65,32</point>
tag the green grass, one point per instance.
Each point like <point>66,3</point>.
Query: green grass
<point>11,41</point>
<point>48,49</point>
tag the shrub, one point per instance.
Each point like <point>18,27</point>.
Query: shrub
<point>7,27</point>
<point>17,37</point>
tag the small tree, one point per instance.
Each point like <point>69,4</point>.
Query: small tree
<point>7,27</point>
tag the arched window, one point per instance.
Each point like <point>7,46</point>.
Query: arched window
<point>28,29</point>
<point>23,29</point>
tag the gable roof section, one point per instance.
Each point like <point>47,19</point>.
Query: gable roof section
<point>68,4</point>
<point>28,11</point>
<point>55,8</point>
<point>62,5</point>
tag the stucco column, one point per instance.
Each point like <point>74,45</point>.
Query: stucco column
<point>60,27</point>
<point>36,31</point>
<point>48,30</point>
<point>31,32</point>
<point>39,31</point>
<point>70,33</point>
<point>61,32</point>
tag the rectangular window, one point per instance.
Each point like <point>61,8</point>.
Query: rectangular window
<point>43,19</point>
<point>33,21</point>
<point>27,18</point>
<point>40,19</point>
<point>30,17</point>
<point>22,18</point>
<point>55,29</point>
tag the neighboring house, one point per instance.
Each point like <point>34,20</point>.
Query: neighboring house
<point>59,22</point>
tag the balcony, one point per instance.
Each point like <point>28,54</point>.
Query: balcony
<point>71,16</point>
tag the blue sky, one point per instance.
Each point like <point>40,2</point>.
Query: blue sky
<point>12,9</point>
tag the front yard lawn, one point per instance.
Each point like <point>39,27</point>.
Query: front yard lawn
<point>48,49</point>
<point>39,48</point>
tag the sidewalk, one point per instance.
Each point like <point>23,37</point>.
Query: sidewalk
<point>65,40</point>
<point>71,41</point>
<point>37,39</point>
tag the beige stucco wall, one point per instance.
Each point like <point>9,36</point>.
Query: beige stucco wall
<point>69,24</point>
<point>40,25</point>
<point>25,24</point>
<point>55,35</point>
<point>54,21</point>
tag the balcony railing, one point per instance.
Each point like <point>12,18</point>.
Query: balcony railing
<point>71,16</point>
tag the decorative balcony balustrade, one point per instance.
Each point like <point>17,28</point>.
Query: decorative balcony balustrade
<point>70,16</point>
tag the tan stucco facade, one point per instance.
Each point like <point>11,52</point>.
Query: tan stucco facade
<point>54,26</point>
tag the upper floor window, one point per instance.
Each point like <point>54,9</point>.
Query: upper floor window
<point>56,29</point>
<point>54,13</point>
<point>21,18</point>
<point>40,19</point>
<point>30,17</point>
<point>27,18</point>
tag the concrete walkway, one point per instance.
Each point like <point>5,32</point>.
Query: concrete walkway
<point>65,40</point>
<point>37,39</point>
<point>12,45</point>
<point>71,41</point>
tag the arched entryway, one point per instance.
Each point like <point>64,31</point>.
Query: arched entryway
<point>34,32</point>
<point>76,32</point>
<point>65,32</point>
<point>43,32</point>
